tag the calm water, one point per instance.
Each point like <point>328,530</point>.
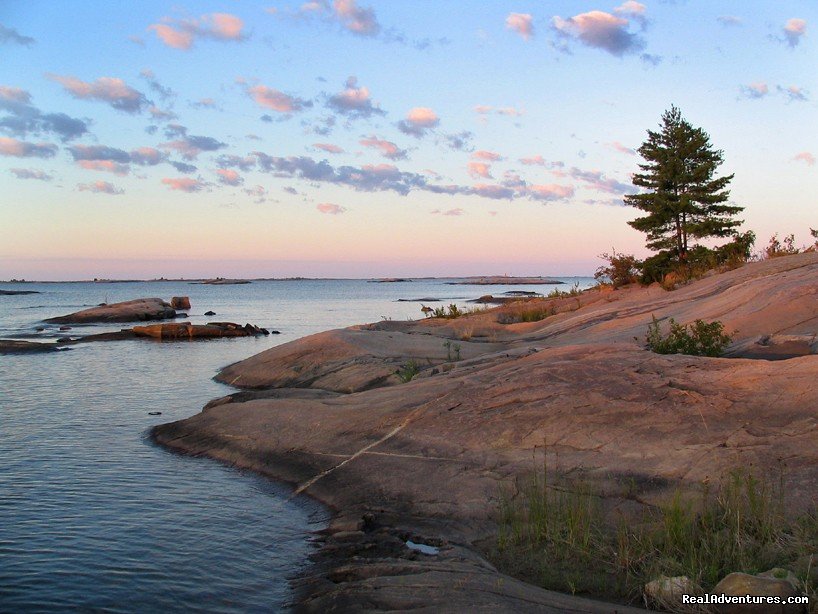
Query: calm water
<point>92,514</point>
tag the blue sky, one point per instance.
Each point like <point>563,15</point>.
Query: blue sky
<point>343,138</point>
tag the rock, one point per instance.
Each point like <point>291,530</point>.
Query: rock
<point>603,404</point>
<point>14,292</point>
<point>186,330</point>
<point>740,584</point>
<point>180,302</point>
<point>219,281</point>
<point>65,328</point>
<point>9,346</point>
<point>138,310</point>
<point>210,313</point>
<point>667,592</point>
<point>154,413</point>
<point>181,315</point>
<point>778,573</point>
<point>64,340</point>
<point>40,329</point>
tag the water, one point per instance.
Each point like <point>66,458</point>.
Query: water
<point>95,516</point>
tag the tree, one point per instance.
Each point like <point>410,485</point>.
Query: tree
<point>683,200</point>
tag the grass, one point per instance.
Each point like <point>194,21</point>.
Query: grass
<point>697,339</point>
<point>452,351</point>
<point>554,532</point>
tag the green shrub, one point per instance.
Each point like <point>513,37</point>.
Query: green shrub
<point>622,269</point>
<point>698,339</point>
<point>450,313</point>
<point>408,371</point>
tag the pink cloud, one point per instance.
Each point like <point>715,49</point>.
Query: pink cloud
<point>100,187</point>
<point>794,29</point>
<point>108,166</point>
<point>551,191</point>
<point>600,30</point>
<point>759,89</point>
<point>806,157</point>
<point>183,184</point>
<point>483,109</point>
<point>24,149</point>
<point>329,148</point>
<point>14,94</point>
<point>521,24</point>
<point>277,101</point>
<point>330,208</point>
<point>177,39</point>
<point>489,156</point>
<point>479,169</point>
<point>358,20</point>
<point>147,156</point>
<point>419,121</point>
<point>354,101</point>
<point>111,90</point>
<point>229,177</point>
<point>617,146</point>
<point>533,161</point>
<point>388,149</point>
<point>182,33</point>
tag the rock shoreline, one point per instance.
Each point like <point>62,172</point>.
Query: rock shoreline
<point>425,460</point>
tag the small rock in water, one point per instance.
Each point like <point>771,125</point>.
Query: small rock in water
<point>210,313</point>
<point>65,328</point>
<point>180,302</point>
<point>275,332</point>
<point>39,329</point>
<point>154,413</point>
<point>64,339</point>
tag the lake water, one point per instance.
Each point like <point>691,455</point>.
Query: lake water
<point>93,515</point>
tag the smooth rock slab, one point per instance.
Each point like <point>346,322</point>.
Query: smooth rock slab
<point>138,310</point>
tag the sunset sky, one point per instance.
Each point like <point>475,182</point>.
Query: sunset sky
<point>378,138</point>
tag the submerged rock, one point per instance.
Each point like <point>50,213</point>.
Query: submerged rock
<point>9,346</point>
<point>137,310</point>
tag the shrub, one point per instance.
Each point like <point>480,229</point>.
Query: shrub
<point>656,267</point>
<point>451,312</point>
<point>737,251</point>
<point>776,248</point>
<point>698,339</point>
<point>408,371</point>
<point>622,269</point>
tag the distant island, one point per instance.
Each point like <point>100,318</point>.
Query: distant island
<point>505,280</point>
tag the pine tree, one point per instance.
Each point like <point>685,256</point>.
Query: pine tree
<point>683,200</point>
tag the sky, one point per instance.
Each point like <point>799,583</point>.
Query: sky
<point>365,138</point>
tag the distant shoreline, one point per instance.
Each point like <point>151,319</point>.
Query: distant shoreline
<point>500,280</point>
